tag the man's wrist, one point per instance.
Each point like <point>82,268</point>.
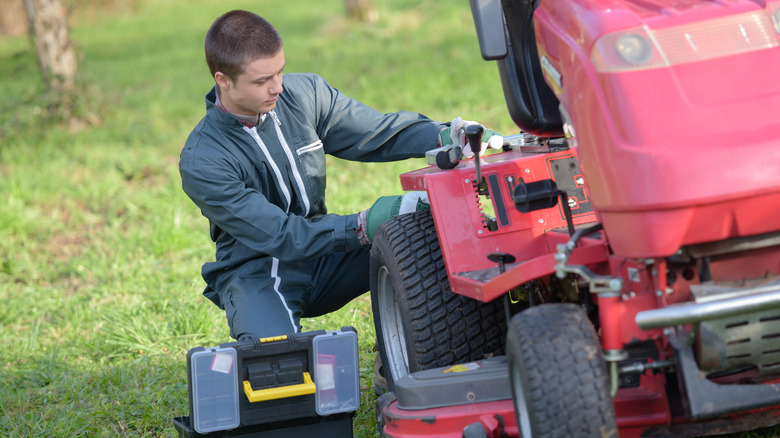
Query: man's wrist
<point>438,136</point>
<point>362,229</point>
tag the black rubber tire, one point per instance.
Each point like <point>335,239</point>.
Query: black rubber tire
<point>420,323</point>
<point>560,383</point>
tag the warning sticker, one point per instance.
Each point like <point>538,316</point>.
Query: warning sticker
<point>222,363</point>
<point>471,366</point>
<point>569,178</point>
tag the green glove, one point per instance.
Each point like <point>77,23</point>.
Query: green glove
<point>455,135</point>
<point>388,207</point>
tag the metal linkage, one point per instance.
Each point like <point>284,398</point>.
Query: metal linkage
<point>599,284</point>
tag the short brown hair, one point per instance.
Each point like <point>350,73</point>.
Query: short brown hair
<point>238,37</point>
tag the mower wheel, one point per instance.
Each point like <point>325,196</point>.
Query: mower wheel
<point>420,323</point>
<point>558,375</point>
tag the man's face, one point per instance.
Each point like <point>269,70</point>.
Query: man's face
<point>256,90</point>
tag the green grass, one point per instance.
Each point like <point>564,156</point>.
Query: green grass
<point>100,250</point>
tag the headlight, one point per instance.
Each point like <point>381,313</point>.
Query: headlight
<point>643,48</point>
<point>627,50</point>
<point>634,48</point>
<point>776,19</point>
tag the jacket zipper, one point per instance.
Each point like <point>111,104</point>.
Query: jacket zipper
<point>286,191</point>
<point>293,165</point>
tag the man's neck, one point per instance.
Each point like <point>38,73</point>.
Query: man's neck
<point>247,120</point>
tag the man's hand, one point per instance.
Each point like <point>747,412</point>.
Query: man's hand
<point>455,135</point>
<point>388,207</point>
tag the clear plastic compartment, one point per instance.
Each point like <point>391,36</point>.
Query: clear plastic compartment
<point>336,372</point>
<point>214,390</point>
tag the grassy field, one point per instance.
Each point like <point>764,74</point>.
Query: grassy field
<point>100,250</point>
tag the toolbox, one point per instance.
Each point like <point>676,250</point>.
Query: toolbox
<point>293,385</point>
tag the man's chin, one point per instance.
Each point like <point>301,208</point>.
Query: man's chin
<point>265,109</point>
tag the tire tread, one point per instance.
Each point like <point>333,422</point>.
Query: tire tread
<point>565,377</point>
<point>447,328</point>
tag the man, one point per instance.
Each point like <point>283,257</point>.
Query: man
<point>255,166</point>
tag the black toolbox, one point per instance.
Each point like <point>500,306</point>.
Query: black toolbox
<point>335,425</point>
<point>294,385</point>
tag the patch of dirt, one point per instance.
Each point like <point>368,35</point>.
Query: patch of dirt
<point>66,246</point>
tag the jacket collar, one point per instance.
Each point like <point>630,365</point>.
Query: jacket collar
<point>223,116</point>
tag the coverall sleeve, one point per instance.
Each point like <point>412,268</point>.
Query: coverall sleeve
<point>216,186</point>
<point>354,131</point>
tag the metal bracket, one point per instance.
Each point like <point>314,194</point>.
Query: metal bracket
<point>599,284</point>
<point>709,399</point>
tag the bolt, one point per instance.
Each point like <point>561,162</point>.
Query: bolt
<point>541,221</point>
<point>467,181</point>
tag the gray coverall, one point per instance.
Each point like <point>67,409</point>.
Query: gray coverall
<point>279,255</point>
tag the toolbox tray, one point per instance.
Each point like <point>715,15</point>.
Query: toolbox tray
<point>332,426</point>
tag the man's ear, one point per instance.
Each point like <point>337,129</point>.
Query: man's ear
<point>221,79</point>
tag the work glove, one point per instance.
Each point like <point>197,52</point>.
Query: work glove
<point>455,135</point>
<point>388,207</point>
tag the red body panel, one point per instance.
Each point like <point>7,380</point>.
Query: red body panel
<point>696,146</point>
<point>466,241</point>
<point>497,418</point>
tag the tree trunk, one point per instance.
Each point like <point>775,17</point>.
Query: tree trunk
<point>56,57</point>
<point>13,21</point>
<point>363,10</point>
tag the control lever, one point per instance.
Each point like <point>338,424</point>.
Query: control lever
<point>449,156</point>
<point>446,157</point>
<point>474,137</point>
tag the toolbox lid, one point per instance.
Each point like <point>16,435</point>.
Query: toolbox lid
<point>473,382</point>
<point>214,389</point>
<point>336,372</point>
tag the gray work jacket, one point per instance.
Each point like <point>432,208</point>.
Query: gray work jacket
<point>262,188</point>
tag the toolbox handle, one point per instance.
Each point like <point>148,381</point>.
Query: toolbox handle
<point>307,387</point>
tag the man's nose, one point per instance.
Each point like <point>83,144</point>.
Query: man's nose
<point>276,86</point>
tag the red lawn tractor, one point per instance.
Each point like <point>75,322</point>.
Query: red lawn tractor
<point>615,270</point>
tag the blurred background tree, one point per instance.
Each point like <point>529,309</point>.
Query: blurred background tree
<point>13,20</point>
<point>56,57</point>
<point>361,10</point>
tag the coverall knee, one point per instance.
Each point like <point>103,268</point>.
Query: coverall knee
<point>271,304</point>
